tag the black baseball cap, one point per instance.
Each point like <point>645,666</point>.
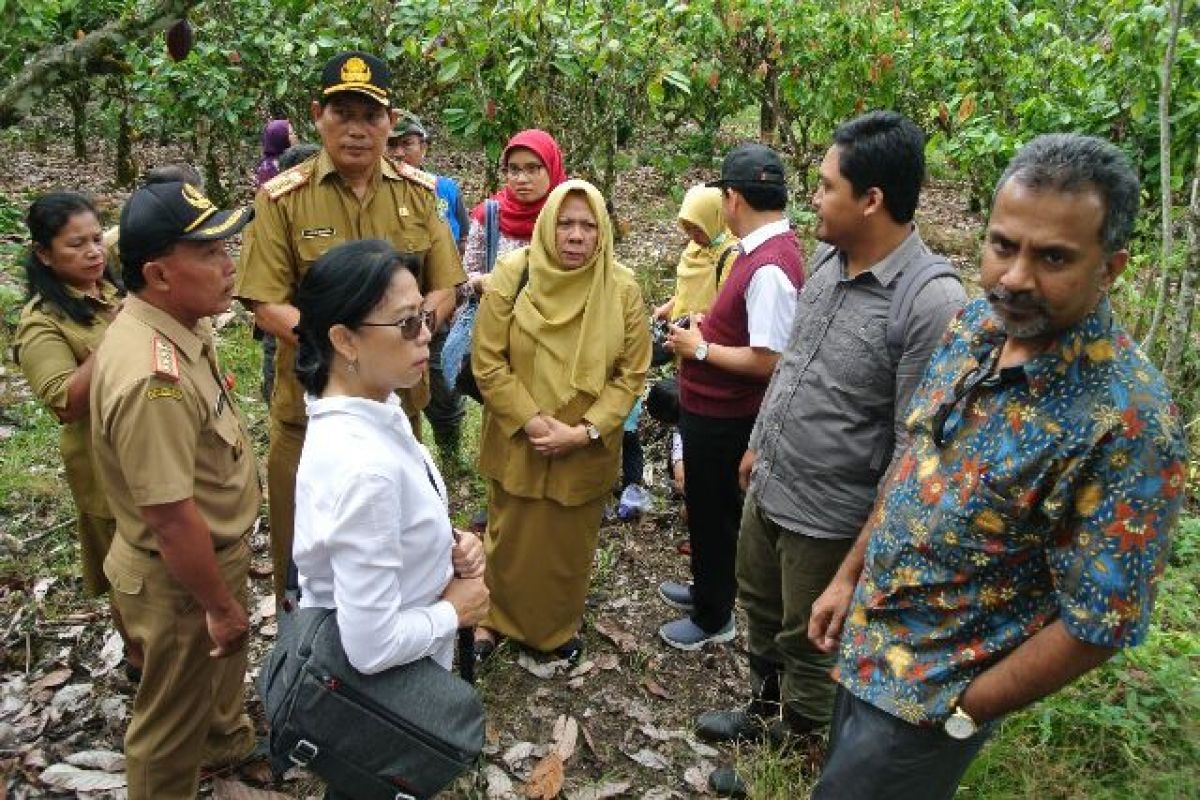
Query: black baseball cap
<point>161,214</point>
<point>751,165</point>
<point>406,126</point>
<point>356,71</point>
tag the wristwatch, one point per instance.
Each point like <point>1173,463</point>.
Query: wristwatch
<point>702,351</point>
<point>959,725</point>
<point>593,433</point>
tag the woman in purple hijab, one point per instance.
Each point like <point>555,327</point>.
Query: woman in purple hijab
<point>276,138</point>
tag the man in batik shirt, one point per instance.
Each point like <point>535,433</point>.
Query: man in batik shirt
<point>1019,541</point>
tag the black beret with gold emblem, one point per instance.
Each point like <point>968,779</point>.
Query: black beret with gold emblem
<point>356,71</point>
<point>160,214</point>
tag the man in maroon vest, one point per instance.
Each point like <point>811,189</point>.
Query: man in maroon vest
<point>727,357</point>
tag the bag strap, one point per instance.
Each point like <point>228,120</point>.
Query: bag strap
<point>491,229</point>
<point>915,277</point>
<point>724,259</point>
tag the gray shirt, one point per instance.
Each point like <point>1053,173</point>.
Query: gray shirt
<point>833,416</point>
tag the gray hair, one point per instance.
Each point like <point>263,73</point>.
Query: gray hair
<point>1071,162</point>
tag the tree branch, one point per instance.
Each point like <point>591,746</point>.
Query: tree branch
<point>60,64</point>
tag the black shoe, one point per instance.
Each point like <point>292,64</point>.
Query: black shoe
<point>570,652</point>
<point>725,782</point>
<point>132,674</point>
<point>484,649</point>
<point>738,725</point>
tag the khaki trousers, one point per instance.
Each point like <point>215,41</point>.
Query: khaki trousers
<point>780,575</point>
<point>189,709</point>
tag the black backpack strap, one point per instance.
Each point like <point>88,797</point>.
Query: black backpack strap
<point>723,260</point>
<point>909,284</point>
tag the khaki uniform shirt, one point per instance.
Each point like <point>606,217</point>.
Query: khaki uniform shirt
<point>504,348</point>
<point>49,347</point>
<point>165,427</point>
<point>304,212</point>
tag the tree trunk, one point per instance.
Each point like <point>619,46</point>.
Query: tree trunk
<point>213,187</point>
<point>768,120</point>
<point>126,169</point>
<point>1174,8</point>
<point>77,97</point>
<point>1181,325</point>
<point>97,52</point>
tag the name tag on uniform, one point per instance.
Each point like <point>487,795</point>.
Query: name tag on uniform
<point>317,233</point>
<point>403,211</point>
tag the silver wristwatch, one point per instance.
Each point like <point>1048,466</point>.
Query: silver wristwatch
<point>702,351</point>
<point>959,725</point>
<point>593,433</point>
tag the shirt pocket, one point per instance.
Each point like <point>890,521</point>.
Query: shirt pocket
<point>310,248</point>
<point>985,531</point>
<point>859,352</point>
<point>227,445</point>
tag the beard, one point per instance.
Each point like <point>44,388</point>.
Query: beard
<point>1032,317</point>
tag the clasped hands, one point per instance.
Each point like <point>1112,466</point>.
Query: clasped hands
<point>684,341</point>
<point>551,437</point>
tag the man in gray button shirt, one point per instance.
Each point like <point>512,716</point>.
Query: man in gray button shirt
<point>832,419</point>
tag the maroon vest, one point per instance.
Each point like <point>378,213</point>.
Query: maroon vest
<point>708,390</point>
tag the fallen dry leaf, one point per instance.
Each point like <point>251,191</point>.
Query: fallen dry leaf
<point>649,758</point>
<point>601,791</point>
<point>107,760</point>
<point>697,776</point>
<point>546,781</point>
<point>499,785</point>
<point>74,779</point>
<point>608,661</point>
<point>236,790</point>
<point>623,639</point>
<point>588,740</point>
<point>51,680</point>
<point>566,733</point>
<point>701,749</point>
<point>518,753</point>
<point>540,669</point>
<point>655,688</point>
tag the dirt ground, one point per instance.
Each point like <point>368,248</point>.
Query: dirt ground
<point>631,700</point>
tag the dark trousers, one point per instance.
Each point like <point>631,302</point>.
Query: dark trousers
<point>876,756</point>
<point>446,405</point>
<point>712,450</point>
<point>633,461</point>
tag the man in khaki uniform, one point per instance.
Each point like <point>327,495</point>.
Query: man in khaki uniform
<point>179,472</point>
<point>349,191</point>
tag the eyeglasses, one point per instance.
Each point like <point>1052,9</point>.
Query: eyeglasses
<point>515,171</point>
<point>964,387</point>
<point>410,327</point>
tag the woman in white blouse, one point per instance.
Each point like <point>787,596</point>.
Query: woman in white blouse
<point>373,537</point>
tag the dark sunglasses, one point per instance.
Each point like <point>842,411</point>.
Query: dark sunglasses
<point>963,388</point>
<point>410,327</point>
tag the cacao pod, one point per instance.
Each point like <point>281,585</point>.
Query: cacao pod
<point>179,40</point>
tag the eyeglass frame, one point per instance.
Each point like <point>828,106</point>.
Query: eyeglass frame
<point>961,392</point>
<point>514,172</point>
<point>426,319</point>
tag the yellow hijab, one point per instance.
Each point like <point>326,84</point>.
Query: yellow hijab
<point>695,286</point>
<point>574,316</point>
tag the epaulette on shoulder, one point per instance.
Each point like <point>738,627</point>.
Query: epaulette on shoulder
<point>288,180</point>
<point>165,359</point>
<point>420,176</point>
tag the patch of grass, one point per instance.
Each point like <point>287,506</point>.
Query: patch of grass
<point>772,775</point>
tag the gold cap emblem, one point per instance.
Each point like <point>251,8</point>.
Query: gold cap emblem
<point>355,70</point>
<point>194,199</point>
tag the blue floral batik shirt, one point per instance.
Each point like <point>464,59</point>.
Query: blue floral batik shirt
<point>1039,492</point>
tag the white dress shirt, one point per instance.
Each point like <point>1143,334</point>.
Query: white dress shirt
<point>373,536</point>
<point>770,297</point>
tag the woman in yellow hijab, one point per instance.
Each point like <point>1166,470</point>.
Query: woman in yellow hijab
<point>560,354</point>
<point>710,247</point>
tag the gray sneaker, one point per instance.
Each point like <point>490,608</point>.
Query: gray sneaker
<point>676,595</point>
<point>683,634</point>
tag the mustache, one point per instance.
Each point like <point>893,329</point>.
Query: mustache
<point>1018,301</point>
